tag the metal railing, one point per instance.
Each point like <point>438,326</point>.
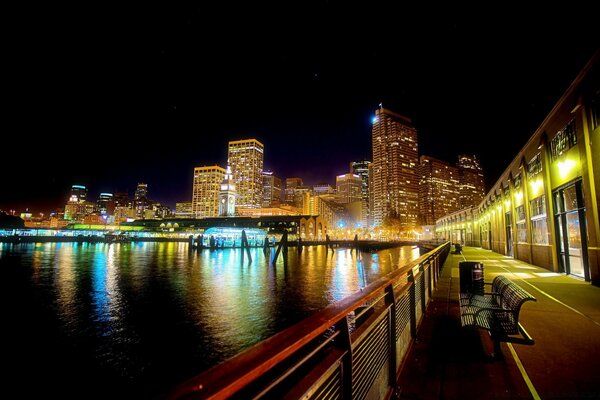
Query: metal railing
<point>352,349</point>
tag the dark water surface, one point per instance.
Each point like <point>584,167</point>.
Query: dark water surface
<point>133,320</point>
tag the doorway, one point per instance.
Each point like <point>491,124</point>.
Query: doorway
<point>571,230</point>
<point>509,241</point>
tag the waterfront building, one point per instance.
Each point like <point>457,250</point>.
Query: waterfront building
<point>290,185</point>
<point>439,189</point>
<point>394,183</point>
<point>183,209</point>
<point>472,186</point>
<point>271,190</point>
<point>544,207</point>
<point>246,158</point>
<point>348,188</point>
<point>361,168</point>
<point>206,189</point>
<point>105,204</point>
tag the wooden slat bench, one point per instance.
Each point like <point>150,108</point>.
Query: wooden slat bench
<point>497,312</point>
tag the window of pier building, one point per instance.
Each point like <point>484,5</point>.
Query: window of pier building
<point>534,166</point>
<point>563,140</point>
<point>517,181</point>
<point>539,224</point>
<point>521,224</point>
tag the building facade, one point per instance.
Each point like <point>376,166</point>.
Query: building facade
<point>544,207</point>
<point>246,159</point>
<point>271,190</point>
<point>394,183</point>
<point>361,168</point>
<point>472,185</point>
<point>348,188</point>
<point>290,185</point>
<point>439,189</point>
<point>205,191</point>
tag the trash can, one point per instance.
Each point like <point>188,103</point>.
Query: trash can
<point>471,277</point>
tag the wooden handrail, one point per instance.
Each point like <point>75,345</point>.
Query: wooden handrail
<point>227,378</point>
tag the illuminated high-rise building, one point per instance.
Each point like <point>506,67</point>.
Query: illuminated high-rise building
<point>395,186</point>
<point>141,192</point>
<point>290,185</point>
<point>105,204</point>
<point>80,192</point>
<point>141,201</point>
<point>348,187</point>
<point>206,189</point>
<point>271,189</point>
<point>76,207</point>
<point>438,189</point>
<point>246,158</point>
<point>361,168</point>
<point>472,186</point>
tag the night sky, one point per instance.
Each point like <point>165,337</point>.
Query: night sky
<point>108,97</point>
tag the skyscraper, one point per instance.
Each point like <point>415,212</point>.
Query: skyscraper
<point>105,203</point>
<point>348,188</point>
<point>80,192</point>
<point>246,157</point>
<point>438,189</point>
<point>271,189</point>
<point>361,168</point>
<point>472,186</point>
<point>206,189</point>
<point>290,185</point>
<point>395,158</point>
<point>141,192</point>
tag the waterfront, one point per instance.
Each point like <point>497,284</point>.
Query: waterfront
<point>132,320</point>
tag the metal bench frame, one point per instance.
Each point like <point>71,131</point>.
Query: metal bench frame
<point>497,312</point>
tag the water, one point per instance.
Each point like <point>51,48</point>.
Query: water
<point>133,320</point>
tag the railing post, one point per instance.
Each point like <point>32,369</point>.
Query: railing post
<point>423,303</point>
<point>429,277</point>
<point>390,299</point>
<point>413,305</point>
<point>346,345</point>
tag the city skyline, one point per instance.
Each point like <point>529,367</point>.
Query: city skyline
<point>150,94</point>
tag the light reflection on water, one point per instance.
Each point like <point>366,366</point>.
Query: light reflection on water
<point>138,318</point>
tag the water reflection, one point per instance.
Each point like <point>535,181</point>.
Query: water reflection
<point>135,319</point>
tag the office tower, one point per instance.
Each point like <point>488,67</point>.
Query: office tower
<point>348,187</point>
<point>361,168</point>
<point>472,186</point>
<point>245,158</point>
<point>141,192</point>
<point>80,192</point>
<point>206,189</point>
<point>105,204</point>
<point>141,201</point>
<point>290,185</point>
<point>122,199</point>
<point>271,189</point>
<point>395,157</point>
<point>438,189</point>
<point>227,196</point>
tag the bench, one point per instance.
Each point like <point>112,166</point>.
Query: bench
<point>497,312</point>
<point>457,248</point>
